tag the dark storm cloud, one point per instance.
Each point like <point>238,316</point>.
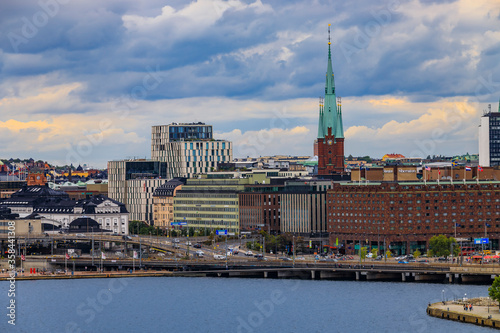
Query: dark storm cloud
<point>374,45</point>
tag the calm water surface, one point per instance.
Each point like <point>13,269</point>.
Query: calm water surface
<point>229,305</point>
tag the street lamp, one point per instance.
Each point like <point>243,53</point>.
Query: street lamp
<point>442,295</point>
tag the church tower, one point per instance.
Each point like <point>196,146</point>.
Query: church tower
<point>330,142</point>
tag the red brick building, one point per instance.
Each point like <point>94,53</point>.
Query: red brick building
<point>406,215</point>
<point>259,208</point>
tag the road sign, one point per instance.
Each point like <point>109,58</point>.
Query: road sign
<point>221,232</point>
<point>178,223</point>
<point>481,241</point>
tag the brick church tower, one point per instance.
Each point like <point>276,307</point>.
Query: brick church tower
<point>330,143</point>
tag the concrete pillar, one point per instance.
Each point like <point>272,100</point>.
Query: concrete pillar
<point>357,276</point>
<point>313,274</point>
<point>403,277</point>
<point>450,278</point>
<point>265,274</point>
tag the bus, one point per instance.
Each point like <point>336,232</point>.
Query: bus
<point>467,250</point>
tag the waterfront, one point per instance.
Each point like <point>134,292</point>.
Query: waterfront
<point>230,305</point>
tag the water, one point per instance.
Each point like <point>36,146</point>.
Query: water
<point>229,305</point>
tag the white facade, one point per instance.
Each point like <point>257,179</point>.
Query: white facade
<point>484,142</point>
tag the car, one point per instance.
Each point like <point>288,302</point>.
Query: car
<point>249,253</point>
<point>200,253</point>
<point>125,237</point>
<point>176,246</point>
<point>80,235</point>
<point>236,251</point>
<point>300,258</point>
<point>176,240</point>
<point>197,246</point>
<point>412,260</point>
<point>425,261</point>
<point>402,262</point>
<point>286,259</point>
<point>188,243</point>
<point>115,234</point>
<point>219,257</point>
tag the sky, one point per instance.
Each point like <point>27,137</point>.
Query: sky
<point>82,82</point>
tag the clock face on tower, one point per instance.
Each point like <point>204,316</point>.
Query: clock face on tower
<point>37,177</point>
<point>329,142</point>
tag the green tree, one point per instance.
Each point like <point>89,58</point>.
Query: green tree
<point>374,253</point>
<point>363,253</point>
<point>350,158</point>
<point>388,254</point>
<point>417,254</point>
<point>440,245</point>
<point>494,290</point>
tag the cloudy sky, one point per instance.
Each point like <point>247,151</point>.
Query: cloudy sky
<point>84,81</point>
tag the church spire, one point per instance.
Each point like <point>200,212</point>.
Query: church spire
<point>340,128</point>
<point>321,133</point>
<point>330,107</point>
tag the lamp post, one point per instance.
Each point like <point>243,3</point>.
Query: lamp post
<point>92,246</point>
<point>442,295</point>
<point>293,248</point>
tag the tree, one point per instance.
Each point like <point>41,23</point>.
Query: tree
<point>388,254</point>
<point>494,290</point>
<point>440,245</point>
<point>417,254</point>
<point>374,253</point>
<point>350,158</point>
<point>363,253</point>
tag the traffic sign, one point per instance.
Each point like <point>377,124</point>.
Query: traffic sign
<point>221,232</point>
<point>481,241</point>
<point>178,223</point>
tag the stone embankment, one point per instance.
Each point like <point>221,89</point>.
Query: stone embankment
<point>485,312</point>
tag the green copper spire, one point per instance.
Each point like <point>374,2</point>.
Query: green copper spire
<point>330,108</point>
<point>339,132</point>
<point>321,133</point>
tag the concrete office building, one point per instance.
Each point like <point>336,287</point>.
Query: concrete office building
<point>489,139</point>
<point>134,182</point>
<point>188,149</point>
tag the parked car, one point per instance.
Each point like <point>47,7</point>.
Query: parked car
<point>197,246</point>
<point>80,235</point>
<point>200,253</point>
<point>219,257</point>
<point>125,237</point>
<point>249,253</point>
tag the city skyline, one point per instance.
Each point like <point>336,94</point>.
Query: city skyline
<point>85,82</point>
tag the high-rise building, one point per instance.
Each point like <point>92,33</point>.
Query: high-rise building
<point>134,182</point>
<point>330,143</point>
<point>489,139</point>
<point>188,148</point>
